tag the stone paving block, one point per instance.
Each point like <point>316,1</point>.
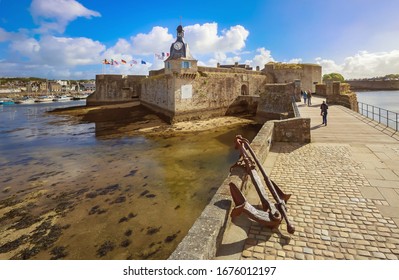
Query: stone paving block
<point>391,257</point>
<point>392,212</point>
<point>384,183</point>
<point>370,174</point>
<point>391,196</point>
<point>260,256</point>
<point>387,174</point>
<point>371,192</point>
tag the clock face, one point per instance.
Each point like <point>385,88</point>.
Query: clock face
<point>178,45</point>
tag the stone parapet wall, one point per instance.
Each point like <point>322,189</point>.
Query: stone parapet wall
<point>374,85</point>
<point>228,70</point>
<point>275,102</point>
<point>337,93</point>
<point>295,130</point>
<point>321,90</point>
<point>340,94</point>
<point>205,236</point>
<point>348,100</point>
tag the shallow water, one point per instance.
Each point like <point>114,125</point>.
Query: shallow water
<point>66,193</point>
<point>386,99</point>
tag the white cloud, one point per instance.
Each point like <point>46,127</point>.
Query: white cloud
<point>156,41</point>
<point>4,35</point>
<point>27,47</point>
<point>263,57</point>
<point>59,51</point>
<point>55,15</point>
<point>363,64</point>
<point>205,39</point>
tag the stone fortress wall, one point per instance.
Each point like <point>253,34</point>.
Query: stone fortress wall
<point>112,89</point>
<point>339,94</point>
<point>374,85</point>
<point>206,92</point>
<point>308,74</point>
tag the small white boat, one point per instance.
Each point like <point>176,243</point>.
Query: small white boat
<point>61,98</point>
<point>6,101</point>
<point>80,96</point>
<point>44,98</point>
<point>25,100</point>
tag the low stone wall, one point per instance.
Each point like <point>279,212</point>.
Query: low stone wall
<point>205,236</point>
<point>292,130</point>
<point>113,89</point>
<point>338,94</point>
<point>275,102</point>
<point>348,100</point>
<point>374,85</point>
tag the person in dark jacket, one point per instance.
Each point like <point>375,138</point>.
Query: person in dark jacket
<point>324,111</point>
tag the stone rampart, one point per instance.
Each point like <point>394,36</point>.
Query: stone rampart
<point>275,102</point>
<point>338,94</point>
<point>205,236</point>
<point>308,74</point>
<point>374,85</point>
<point>115,89</point>
<point>201,95</point>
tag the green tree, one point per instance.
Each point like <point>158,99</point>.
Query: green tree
<point>333,77</point>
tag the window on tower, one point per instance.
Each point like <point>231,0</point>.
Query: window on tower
<point>186,64</point>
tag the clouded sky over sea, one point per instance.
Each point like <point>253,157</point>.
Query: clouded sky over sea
<point>69,39</point>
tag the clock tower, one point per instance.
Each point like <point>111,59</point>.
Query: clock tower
<point>179,48</point>
<point>180,56</point>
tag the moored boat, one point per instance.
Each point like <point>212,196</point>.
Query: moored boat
<point>6,101</point>
<point>80,96</point>
<point>61,98</point>
<point>44,98</point>
<point>25,100</point>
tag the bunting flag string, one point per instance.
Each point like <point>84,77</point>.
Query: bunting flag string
<point>162,55</point>
<point>122,62</point>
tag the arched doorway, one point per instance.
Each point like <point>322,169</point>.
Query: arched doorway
<point>244,90</point>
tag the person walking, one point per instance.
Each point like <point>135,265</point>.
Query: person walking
<point>309,98</point>
<point>324,111</point>
<point>304,97</point>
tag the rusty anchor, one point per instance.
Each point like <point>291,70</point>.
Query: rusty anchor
<point>271,214</point>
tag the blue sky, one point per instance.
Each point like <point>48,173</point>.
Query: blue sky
<point>68,39</point>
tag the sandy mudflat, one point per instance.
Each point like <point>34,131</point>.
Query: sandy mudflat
<point>132,118</point>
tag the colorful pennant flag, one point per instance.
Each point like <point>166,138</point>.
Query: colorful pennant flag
<point>123,61</point>
<point>143,62</point>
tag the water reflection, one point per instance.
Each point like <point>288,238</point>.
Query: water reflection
<point>99,191</point>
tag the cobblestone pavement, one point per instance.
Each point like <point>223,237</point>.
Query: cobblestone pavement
<point>332,218</point>
<point>345,194</point>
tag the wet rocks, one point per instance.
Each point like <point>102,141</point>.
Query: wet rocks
<point>105,248</point>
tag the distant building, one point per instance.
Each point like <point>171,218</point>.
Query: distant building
<point>43,86</point>
<point>88,86</point>
<point>63,83</point>
<point>54,87</point>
